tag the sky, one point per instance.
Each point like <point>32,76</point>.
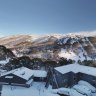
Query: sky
<point>47,16</point>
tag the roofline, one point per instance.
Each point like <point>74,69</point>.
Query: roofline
<point>77,67</point>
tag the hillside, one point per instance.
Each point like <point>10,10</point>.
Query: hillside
<point>77,46</point>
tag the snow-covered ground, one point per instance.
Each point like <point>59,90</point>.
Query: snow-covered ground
<point>68,55</point>
<point>3,62</point>
<point>77,90</point>
<point>72,55</point>
<point>37,89</point>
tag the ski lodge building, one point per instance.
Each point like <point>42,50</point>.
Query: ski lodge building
<point>69,75</point>
<point>22,77</point>
<point>63,76</point>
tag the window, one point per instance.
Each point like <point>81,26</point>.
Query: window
<point>9,77</point>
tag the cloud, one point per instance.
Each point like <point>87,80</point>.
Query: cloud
<point>84,33</point>
<point>1,35</point>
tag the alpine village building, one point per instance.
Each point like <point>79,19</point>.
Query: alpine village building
<point>69,75</point>
<point>63,76</point>
<point>22,77</point>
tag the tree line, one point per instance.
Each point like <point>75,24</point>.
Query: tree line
<point>35,63</point>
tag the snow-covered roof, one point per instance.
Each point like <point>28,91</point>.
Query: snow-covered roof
<point>76,68</point>
<point>26,73</point>
<point>22,72</point>
<point>39,73</point>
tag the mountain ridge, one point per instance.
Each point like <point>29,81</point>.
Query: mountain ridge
<point>50,46</point>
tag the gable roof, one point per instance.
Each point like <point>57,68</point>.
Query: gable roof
<point>22,72</point>
<point>76,68</point>
<point>26,73</point>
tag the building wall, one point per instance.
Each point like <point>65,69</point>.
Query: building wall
<point>40,79</point>
<point>70,79</point>
<point>64,80</point>
<point>88,78</point>
<point>59,80</point>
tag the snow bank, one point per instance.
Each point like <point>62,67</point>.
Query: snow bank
<point>82,89</point>
<point>75,93</point>
<point>92,88</point>
<point>64,91</point>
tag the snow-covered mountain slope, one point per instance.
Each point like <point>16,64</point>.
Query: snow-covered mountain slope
<point>77,46</point>
<point>5,55</point>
